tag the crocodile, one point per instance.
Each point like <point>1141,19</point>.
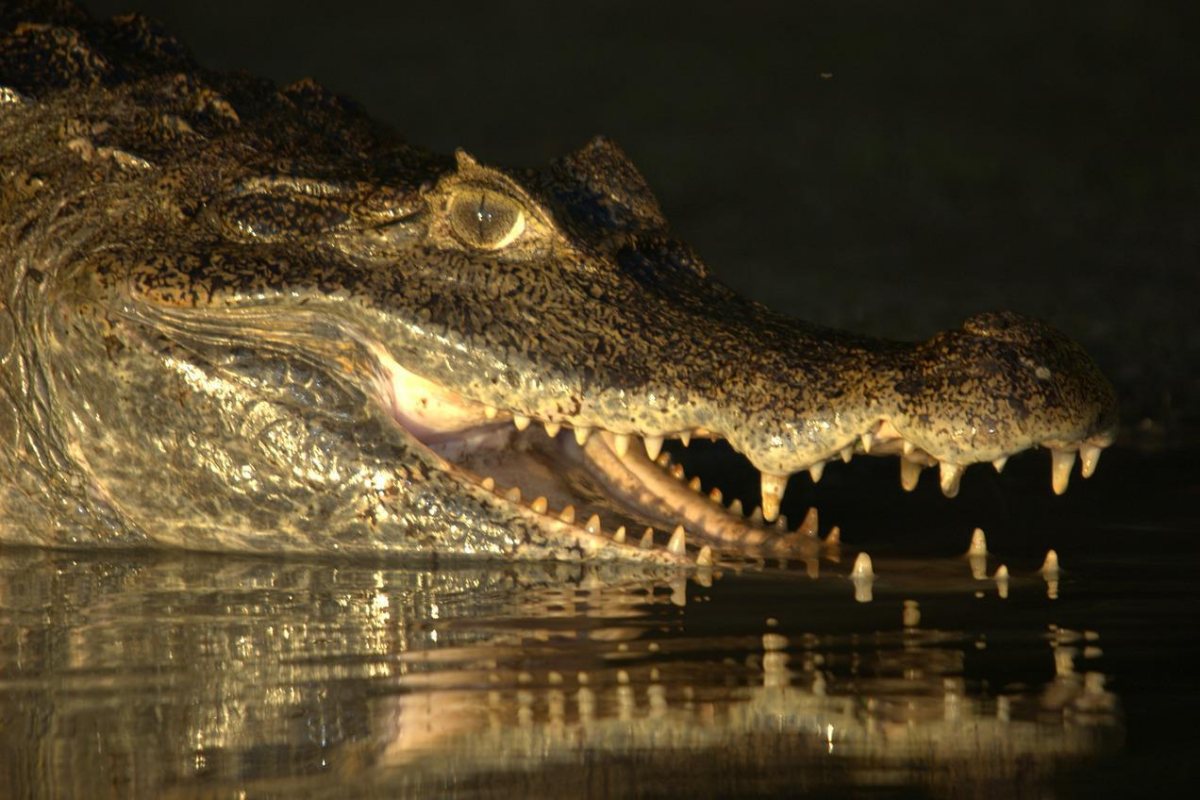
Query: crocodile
<point>244,317</point>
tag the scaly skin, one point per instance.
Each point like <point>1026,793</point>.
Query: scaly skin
<point>237,317</point>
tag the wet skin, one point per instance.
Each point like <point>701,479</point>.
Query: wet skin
<point>240,317</point>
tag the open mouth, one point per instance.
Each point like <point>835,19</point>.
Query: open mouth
<point>625,494</point>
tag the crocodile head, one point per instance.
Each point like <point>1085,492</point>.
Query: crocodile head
<point>267,324</point>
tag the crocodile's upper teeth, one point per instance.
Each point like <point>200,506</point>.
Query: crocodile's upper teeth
<point>653,446</point>
<point>910,474</point>
<point>999,463</point>
<point>490,412</point>
<point>521,421</point>
<point>847,453</point>
<point>867,441</point>
<point>1061,462</point>
<point>581,435</point>
<point>773,486</point>
<point>1090,457</point>
<point>621,443</point>
<point>686,438</point>
<point>816,471</point>
<point>949,475</point>
<point>552,428</point>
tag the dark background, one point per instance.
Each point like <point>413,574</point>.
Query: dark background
<point>888,167</point>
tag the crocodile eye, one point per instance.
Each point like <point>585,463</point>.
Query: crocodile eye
<point>486,219</point>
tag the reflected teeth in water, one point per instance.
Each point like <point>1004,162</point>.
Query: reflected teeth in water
<point>521,421</point>
<point>621,443</point>
<point>949,476</point>
<point>619,536</point>
<point>653,446</point>
<point>567,514</point>
<point>552,428</point>
<point>705,557</point>
<point>647,539</point>
<point>978,543</point>
<point>773,486</point>
<point>863,568</point>
<point>488,483</point>
<point>1090,456</point>
<point>581,435</point>
<point>540,505</point>
<point>1061,462</point>
<point>910,474</point>
<point>816,471</point>
<point>999,463</point>
<point>811,523</point>
<point>593,524</point>
<point>678,542</point>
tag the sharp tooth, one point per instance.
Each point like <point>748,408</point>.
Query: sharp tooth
<point>757,516</point>
<point>978,543</point>
<point>1050,565</point>
<point>653,446</point>
<point>581,435</point>
<point>593,524</point>
<point>862,567</point>
<point>521,421</point>
<point>1001,573</point>
<point>619,536</point>
<point>847,453</point>
<point>811,524</point>
<point>773,486</point>
<point>949,475</point>
<point>567,514</point>
<point>490,412</point>
<point>489,483</point>
<point>705,557</point>
<point>621,443</point>
<point>647,539</point>
<point>715,495</point>
<point>552,428</point>
<point>910,473</point>
<point>677,472</point>
<point>686,438</point>
<point>694,484</point>
<point>816,471</point>
<point>1090,456</point>
<point>834,536</point>
<point>908,447</point>
<point>999,463</point>
<point>540,505</point>
<point>736,507</point>
<point>678,543</point>
<point>664,460</point>
<point>867,440</point>
<point>1061,462</point>
<point>513,495</point>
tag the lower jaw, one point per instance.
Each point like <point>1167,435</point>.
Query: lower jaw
<point>628,498</point>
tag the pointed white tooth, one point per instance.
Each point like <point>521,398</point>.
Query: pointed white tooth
<point>1061,462</point>
<point>811,523</point>
<point>773,486</point>
<point>999,463</point>
<point>567,514</point>
<point>678,543</point>
<point>949,476</point>
<point>686,438</point>
<point>664,460</point>
<point>694,484</point>
<point>736,507</point>
<point>653,446</point>
<point>621,443</point>
<point>868,440</point>
<point>816,471</point>
<point>847,453</point>
<point>705,557</point>
<point>489,483</point>
<point>521,421</point>
<point>593,524</point>
<point>863,568</point>
<point>513,495</point>
<point>490,412</point>
<point>552,428</point>
<point>581,435</point>
<point>978,543</point>
<point>1090,456</point>
<point>834,537</point>
<point>907,448</point>
<point>1050,564</point>
<point>647,539</point>
<point>677,472</point>
<point>619,536</point>
<point>910,474</point>
<point>715,495</point>
<point>540,505</point>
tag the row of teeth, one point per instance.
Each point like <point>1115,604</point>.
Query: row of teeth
<point>912,460</point>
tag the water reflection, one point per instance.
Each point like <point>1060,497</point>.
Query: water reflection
<point>203,676</point>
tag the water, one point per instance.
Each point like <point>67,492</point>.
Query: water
<point>208,676</point>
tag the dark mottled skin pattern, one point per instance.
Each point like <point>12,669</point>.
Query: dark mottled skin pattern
<point>194,266</point>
